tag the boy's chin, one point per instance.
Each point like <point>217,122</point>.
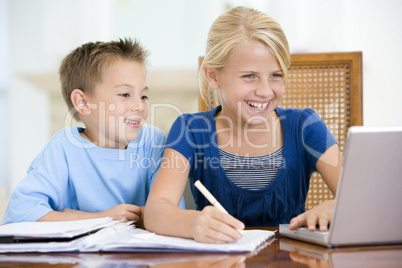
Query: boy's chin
<point>131,135</point>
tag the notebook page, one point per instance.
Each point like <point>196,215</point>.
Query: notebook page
<point>141,240</point>
<point>56,229</point>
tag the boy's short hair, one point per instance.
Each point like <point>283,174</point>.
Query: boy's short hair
<point>84,67</point>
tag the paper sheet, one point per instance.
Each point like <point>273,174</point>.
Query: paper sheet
<point>55,229</point>
<point>141,240</point>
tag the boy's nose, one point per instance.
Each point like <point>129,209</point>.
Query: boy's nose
<point>137,104</point>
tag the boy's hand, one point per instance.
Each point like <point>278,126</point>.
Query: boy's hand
<point>214,226</point>
<point>319,215</point>
<point>125,212</point>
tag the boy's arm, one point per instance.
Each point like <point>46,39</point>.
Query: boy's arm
<point>31,199</point>
<point>123,212</point>
<point>162,216</point>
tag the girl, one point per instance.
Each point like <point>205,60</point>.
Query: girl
<point>253,156</point>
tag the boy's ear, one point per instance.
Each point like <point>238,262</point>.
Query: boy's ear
<point>211,75</point>
<point>79,102</point>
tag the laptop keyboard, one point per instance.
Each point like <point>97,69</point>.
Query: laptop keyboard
<point>316,231</point>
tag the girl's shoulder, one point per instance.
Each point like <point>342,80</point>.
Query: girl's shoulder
<point>295,115</point>
<point>200,118</point>
<point>294,112</point>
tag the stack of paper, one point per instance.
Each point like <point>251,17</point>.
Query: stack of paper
<point>17,232</point>
<point>116,237</point>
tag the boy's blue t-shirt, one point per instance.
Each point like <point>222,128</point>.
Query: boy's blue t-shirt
<point>305,138</point>
<point>71,172</point>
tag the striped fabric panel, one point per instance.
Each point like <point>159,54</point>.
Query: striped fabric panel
<point>251,172</point>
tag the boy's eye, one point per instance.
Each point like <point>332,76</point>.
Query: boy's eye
<point>144,97</point>
<point>125,95</point>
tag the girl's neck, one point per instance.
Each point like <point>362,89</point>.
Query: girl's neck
<point>250,140</point>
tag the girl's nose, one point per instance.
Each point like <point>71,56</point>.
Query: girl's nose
<point>264,88</point>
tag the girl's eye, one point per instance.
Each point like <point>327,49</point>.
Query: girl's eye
<point>125,95</point>
<point>144,97</point>
<point>277,76</point>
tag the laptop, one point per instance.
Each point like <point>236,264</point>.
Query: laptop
<point>368,203</point>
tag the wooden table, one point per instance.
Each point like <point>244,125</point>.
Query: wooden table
<point>277,252</point>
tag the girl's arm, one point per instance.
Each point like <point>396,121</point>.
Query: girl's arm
<point>162,215</point>
<point>329,166</point>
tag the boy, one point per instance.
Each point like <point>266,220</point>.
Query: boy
<point>106,168</point>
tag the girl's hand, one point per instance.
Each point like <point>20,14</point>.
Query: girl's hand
<point>319,215</point>
<point>214,226</point>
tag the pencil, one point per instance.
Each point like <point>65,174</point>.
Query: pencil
<point>207,194</point>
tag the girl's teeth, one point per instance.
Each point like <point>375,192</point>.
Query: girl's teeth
<point>258,106</point>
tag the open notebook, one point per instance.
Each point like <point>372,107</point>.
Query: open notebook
<point>23,232</point>
<point>112,237</point>
<point>369,195</point>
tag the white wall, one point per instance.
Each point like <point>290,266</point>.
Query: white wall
<point>357,25</point>
<point>41,32</point>
<point>27,117</point>
<point>3,105</point>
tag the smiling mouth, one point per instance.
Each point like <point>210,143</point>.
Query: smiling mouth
<point>131,122</point>
<point>257,105</point>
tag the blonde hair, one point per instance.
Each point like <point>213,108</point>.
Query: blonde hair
<point>84,67</point>
<point>238,26</point>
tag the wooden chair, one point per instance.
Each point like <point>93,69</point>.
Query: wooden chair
<point>330,84</point>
